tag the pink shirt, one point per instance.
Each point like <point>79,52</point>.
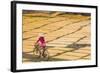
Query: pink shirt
<point>41,42</point>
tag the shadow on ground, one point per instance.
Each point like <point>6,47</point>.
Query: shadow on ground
<point>34,58</point>
<point>77,46</point>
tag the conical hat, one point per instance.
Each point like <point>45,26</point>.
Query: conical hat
<point>41,34</point>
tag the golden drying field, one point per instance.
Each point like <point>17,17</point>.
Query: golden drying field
<point>67,35</point>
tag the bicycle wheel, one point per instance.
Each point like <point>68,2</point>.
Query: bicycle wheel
<point>36,50</point>
<point>46,55</point>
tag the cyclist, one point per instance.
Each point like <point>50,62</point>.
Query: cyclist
<point>41,45</point>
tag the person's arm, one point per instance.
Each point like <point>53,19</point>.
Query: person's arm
<point>37,41</point>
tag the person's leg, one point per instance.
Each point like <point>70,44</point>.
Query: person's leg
<point>43,53</point>
<point>40,52</point>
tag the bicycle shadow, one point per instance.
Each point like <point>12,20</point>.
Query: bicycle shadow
<point>34,58</point>
<point>30,57</point>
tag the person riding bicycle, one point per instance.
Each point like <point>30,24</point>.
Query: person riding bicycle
<point>41,44</point>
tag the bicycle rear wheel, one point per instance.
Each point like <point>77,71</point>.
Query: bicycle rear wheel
<point>36,50</point>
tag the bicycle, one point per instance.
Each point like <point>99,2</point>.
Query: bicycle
<point>41,52</point>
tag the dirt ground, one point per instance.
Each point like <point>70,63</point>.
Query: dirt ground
<point>67,35</point>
